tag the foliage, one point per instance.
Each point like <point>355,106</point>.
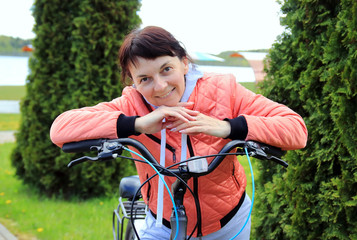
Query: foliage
<point>313,69</point>
<point>12,46</point>
<point>73,65</point>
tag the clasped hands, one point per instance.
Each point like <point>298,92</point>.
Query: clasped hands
<point>182,119</point>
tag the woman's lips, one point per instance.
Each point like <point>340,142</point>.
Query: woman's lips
<point>167,94</point>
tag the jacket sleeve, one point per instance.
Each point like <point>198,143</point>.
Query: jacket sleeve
<point>268,121</point>
<point>100,121</point>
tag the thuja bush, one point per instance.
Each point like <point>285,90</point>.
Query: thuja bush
<point>73,65</point>
<point>312,68</point>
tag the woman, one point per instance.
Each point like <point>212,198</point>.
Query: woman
<point>173,104</point>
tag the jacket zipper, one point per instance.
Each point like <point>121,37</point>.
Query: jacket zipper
<point>195,190</point>
<point>169,147</point>
<point>148,195</point>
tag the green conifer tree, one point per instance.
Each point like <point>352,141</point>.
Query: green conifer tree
<point>313,69</point>
<point>74,64</point>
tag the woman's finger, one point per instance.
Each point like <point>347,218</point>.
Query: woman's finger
<point>188,105</point>
<point>179,113</point>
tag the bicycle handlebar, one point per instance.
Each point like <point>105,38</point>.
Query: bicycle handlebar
<point>112,148</point>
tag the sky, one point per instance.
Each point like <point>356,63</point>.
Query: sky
<point>210,26</point>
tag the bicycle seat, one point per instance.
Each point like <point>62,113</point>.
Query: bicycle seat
<point>128,187</point>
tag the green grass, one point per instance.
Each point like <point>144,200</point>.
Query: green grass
<point>27,214</point>
<point>12,92</point>
<point>250,85</point>
<point>9,121</point>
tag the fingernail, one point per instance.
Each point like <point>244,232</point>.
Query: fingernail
<point>173,129</point>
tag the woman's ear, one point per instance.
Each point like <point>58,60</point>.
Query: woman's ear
<point>186,64</point>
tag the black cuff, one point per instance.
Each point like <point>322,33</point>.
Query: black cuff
<point>239,128</point>
<point>126,126</point>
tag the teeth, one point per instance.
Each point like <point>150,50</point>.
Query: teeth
<point>166,94</point>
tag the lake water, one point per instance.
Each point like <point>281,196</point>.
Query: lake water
<point>7,106</point>
<point>242,74</point>
<point>14,70</point>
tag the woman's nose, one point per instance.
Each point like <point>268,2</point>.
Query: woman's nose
<point>160,84</point>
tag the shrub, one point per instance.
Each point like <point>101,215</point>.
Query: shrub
<point>313,69</point>
<point>73,65</point>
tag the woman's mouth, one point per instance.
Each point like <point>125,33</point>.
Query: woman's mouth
<point>167,94</point>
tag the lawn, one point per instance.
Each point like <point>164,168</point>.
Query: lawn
<point>9,121</point>
<point>250,85</point>
<point>12,92</point>
<point>26,213</point>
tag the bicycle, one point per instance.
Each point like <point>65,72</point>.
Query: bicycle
<point>196,166</point>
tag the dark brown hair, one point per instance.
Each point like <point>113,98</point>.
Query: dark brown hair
<point>149,43</point>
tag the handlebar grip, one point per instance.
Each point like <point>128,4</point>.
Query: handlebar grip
<point>82,146</point>
<point>277,152</point>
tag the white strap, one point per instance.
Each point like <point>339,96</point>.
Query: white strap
<point>160,191</point>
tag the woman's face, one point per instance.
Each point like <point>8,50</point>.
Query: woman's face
<point>161,80</point>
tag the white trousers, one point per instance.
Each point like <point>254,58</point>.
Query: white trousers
<point>151,232</point>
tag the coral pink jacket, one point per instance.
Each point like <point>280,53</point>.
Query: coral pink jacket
<point>215,95</point>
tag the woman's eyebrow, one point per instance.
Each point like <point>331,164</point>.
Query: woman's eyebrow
<point>161,67</point>
<point>141,75</point>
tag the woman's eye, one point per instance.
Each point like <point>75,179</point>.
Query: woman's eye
<point>166,69</point>
<point>144,79</point>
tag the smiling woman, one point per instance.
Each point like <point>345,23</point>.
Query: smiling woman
<point>175,104</point>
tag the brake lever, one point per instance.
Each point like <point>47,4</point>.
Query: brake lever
<point>108,150</point>
<point>80,160</point>
<point>279,161</point>
<point>255,150</point>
